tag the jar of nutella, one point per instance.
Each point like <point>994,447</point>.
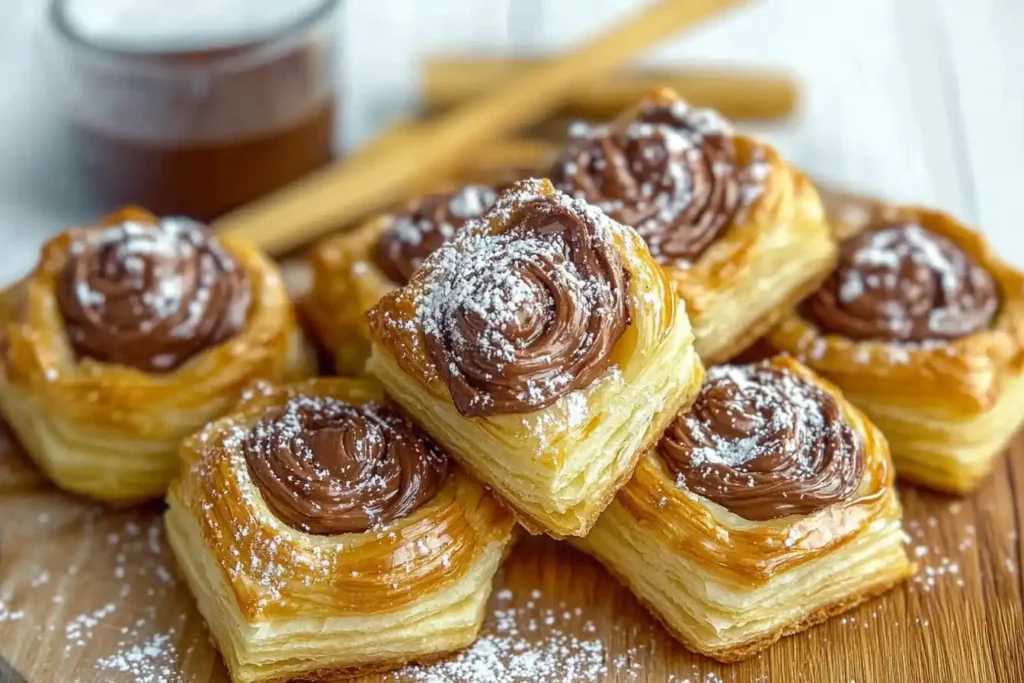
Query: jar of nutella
<point>196,107</point>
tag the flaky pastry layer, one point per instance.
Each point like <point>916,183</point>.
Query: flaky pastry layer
<point>776,251</point>
<point>728,587</point>
<point>558,467</point>
<point>282,603</point>
<point>947,409</point>
<point>346,284</point>
<point>112,432</point>
<point>288,648</point>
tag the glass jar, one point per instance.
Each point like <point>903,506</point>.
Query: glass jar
<point>196,107</point>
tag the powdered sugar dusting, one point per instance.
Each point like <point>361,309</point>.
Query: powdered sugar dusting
<point>525,644</point>
<point>793,404</point>
<point>326,466</point>
<point>516,312</point>
<point>671,173</point>
<point>107,601</point>
<point>903,283</point>
<point>135,244</point>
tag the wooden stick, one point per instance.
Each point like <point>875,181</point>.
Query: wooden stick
<point>736,93</point>
<point>340,193</point>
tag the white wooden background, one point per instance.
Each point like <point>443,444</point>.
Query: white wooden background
<point>914,100</point>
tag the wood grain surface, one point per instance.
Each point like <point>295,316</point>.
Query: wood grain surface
<point>87,594</point>
<point>90,595</point>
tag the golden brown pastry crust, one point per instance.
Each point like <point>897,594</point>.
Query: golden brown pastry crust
<point>740,555</point>
<point>946,408</point>
<point>275,574</point>
<point>775,251</point>
<point>753,647</point>
<point>656,346</point>
<point>346,284</point>
<point>112,432</point>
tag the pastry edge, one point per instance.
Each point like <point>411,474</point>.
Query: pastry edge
<point>532,523</point>
<point>746,337</point>
<point>177,539</point>
<point>737,653</point>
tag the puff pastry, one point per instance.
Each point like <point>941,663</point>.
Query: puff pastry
<point>765,509</point>
<point>740,232</point>
<point>922,327</point>
<point>129,336</point>
<point>352,271</point>
<point>325,535</point>
<point>544,348</point>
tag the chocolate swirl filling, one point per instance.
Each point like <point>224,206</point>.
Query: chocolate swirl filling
<point>430,222</point>
<point>671,173</point>
<point>150,296</point>
<point>515,320</point>
<point>902,283</point>
<point>763,443</point>
<point>328,467</point>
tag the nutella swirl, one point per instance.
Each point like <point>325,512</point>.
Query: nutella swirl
<point>429,223</point>
<point>900,282</point>
<point>329,467</point>
<point>763,443</point>
<point>671,173</point>
<point>150,295</point>
<point>515,320</point>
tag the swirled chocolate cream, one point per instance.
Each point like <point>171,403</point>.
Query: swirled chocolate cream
<point>325,466</point>
<point>517,319</point>
<point>901,282</point>
<point>763,443</point>
<point>418,231</point>
<point>150,295</point>
<point>671,172</point>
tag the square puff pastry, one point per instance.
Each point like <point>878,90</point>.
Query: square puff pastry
<point>740,232</point>
<point>727,586</point>
<point>108,430</point>
<point>283,604</point>
<point>544,349</point>
<point>947,406</point>
<point>352,271</point>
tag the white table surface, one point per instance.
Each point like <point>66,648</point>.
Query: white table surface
<point>912,100</point>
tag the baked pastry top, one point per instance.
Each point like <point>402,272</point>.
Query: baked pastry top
<point>150,295</point>
<point>764,443</point>
<point>131,334</point>
<point>519,345</point>
<point>764,508</point>
<point>323,533</point>
<point>898,281</point>
<point>768,443</point>
<point>922,325</point>
<point>676,174</point>
<point>740,232</point>
<point>352,271</point>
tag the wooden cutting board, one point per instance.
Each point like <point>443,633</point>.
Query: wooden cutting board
<point>90,595</point>
<point>87,594</point>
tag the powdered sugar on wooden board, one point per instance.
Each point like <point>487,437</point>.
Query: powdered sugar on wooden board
<point>63,563</point>
<point>96,587</point>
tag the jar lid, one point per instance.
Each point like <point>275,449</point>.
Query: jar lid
<point>172,26</point>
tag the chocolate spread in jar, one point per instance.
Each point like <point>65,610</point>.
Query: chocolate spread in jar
<point>192,109</point>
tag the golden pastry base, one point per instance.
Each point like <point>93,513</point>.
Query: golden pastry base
<point>328,649</point>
